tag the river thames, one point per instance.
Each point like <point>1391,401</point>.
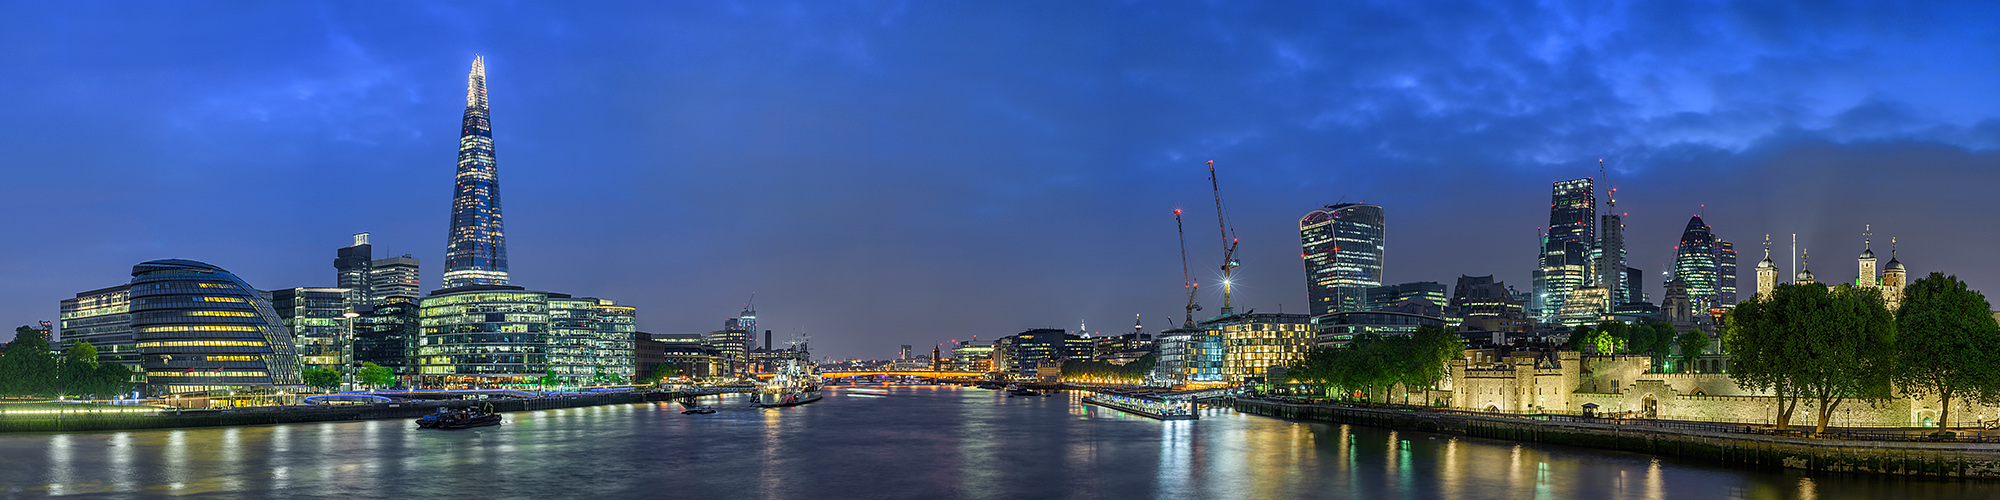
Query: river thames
<point>914,443</point>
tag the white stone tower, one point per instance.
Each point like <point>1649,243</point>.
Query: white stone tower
<point>1893,279</point>
<point>1866,277</point>
<point>1805,276</point>
<point>1767,272</point>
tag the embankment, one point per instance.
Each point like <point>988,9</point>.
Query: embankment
<point>1956,460</point>
<point>166,418</point>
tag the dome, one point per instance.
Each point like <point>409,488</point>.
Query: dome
<point>1867,253</point>
<point>1805,275</point>
<point>1894,265</point>
<point>1767,264</point>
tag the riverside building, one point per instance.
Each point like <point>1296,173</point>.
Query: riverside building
<point>321,332</point>
<point>491,335</point>
<point>201,329</point>
<point>1253,343</point>
<point>103,318</point>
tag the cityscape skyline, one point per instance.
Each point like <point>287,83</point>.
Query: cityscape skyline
<point>700,208</point>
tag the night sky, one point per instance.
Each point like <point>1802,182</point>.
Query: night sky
<point>885,173</point>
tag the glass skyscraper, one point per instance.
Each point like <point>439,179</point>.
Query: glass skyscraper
<point>476,252</point>
<point>1695,264</point>
<point>1569,249</point>
<point>1343,254</point>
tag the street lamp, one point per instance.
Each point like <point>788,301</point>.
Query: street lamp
<point>347,348</point>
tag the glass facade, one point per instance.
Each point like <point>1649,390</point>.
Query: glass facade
<point>103,318</point>
<point>1343,255</point>
<point>496,334</point>
<point>476,248</point>
<point>1569,248</point>
<point>319,331</point>
<point>200,328</point>
<point>387,336</point>
<point>1695,266</point>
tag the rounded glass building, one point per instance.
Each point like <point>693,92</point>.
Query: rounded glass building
<point>200,329</point>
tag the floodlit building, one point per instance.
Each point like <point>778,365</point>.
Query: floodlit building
<point>476,248</point>
<point>1253,343</point>
<point>201,329</point>
<point>103,318</point>
<point>487,335</point>
<point>319,328</point>
<point>1569,248</point>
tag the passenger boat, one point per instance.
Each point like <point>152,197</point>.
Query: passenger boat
<point>690,408</point>
<point>1016,390</point>
<point>459,419</point>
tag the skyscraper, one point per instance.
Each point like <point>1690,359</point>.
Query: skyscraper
<point>1343,255</point>
<point>476,252</point>
<point>370,281</point>
<point>1568,247</point>
<point>1695,266</point>
<point>1725,273</point>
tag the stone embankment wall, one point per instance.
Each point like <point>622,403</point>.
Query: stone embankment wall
<point>1964,460</point>
<point>294,414</point>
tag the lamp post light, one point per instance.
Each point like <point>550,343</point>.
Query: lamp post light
<point>347,349</point>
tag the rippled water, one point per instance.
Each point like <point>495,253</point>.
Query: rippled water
<point>916,443</point>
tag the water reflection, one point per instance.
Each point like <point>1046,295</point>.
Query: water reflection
<point>918,443</point>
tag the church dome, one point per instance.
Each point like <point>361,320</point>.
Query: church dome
<point>1867,253</point>
<point>1805,275</point>
<point>1767,264</point>
<point>1894,265</point>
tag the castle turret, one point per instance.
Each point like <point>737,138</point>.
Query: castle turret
<point>1893,280</point>
<point>1767,272</point>
<point>1805,276</point>
<point>1866,276</point>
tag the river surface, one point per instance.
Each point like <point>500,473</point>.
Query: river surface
<point>915,443</point>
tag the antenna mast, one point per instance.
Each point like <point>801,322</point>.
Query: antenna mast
<point>1229,241</point>
<point>1186,282</point>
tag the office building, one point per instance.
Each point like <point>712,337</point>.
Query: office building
<point>1385,297</point>
<point>201,329</point>
<point>320,331</point>
<point>485,335</point>
<point>476,248</point>
<point>1343,249</point>
<point>1695,266</point>
<point>103,318</point>
<point>1568,248</point>
<point>371,281</point>
<point>386,335</point>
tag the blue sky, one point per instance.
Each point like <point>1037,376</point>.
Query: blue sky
<point>885,173</point>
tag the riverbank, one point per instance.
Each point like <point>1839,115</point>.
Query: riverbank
<point>81,421</point>
<point>1949,460</point>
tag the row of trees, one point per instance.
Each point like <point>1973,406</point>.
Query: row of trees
<point>1372,364</point>
<point>328,379</point>
<point>1078,370</point>
<point>31,369</point>
<point>1820,346</point>
<point>1652,338</point>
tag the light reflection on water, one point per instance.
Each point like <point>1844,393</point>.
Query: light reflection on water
<point>916,443</point>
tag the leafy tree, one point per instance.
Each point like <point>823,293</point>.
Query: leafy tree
<point>1947,344</point>
<point>1425,357</point>
<point>661,371</point>
<point>1693,344</point>
<point>1134,372</point>
<point>324,378</point>
<point>374,375</point>
<point>1812,344</point>
<point>77,374</point>
<point>113,379</point>
<point>28,368</point>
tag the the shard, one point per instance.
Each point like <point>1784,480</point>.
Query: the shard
<point>476,249</point>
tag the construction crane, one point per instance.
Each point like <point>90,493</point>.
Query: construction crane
<point>1229,263</point>
<point>1186,282</point>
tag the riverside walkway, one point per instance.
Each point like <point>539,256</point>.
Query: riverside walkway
<point>1882,451</point>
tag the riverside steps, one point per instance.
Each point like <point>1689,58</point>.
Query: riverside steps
<point>1890,454</point>
<point>80,421</point>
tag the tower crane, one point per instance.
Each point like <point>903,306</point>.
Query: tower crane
<point>1229,263</point>
<point>1186,282</point>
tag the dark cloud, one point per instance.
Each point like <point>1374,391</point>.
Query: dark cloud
<point>887,173</point>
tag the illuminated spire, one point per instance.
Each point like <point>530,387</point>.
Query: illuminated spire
<point>475,84</point>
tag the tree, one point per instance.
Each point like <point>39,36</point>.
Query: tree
<point>28,368</point>
<point>324,378</point>
<point>661,371</point>
<point>1946,344</point>
<point>374,375</point>
<point>77,374</point>
<point>1693,344</point>
<point>1809,343</point>
<point>113,379</point>
<point>1429,349</point>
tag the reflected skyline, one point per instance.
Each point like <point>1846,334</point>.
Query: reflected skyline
<point>918,442</point>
